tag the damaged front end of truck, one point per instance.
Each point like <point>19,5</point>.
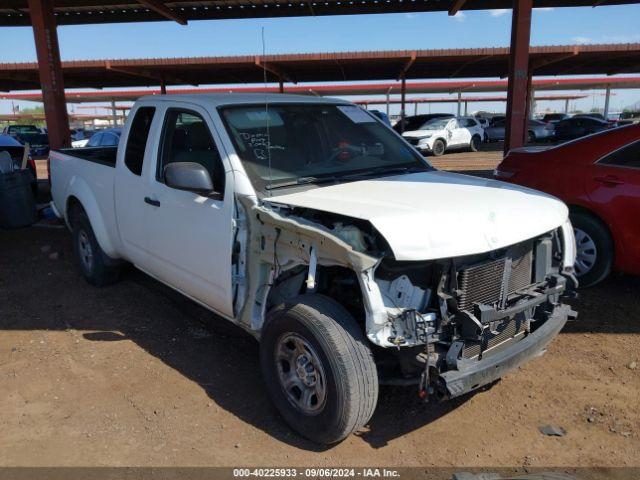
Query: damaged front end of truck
<point>447,325</point>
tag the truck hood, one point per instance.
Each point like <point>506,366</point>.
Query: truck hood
<point>430,215</point>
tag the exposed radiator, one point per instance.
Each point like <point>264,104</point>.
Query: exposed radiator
<point>508,330</point>
<point>483,283</point>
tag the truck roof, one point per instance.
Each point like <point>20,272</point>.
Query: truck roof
<point>219,99</point>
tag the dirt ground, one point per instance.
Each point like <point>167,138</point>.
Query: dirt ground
<point>136,375</point>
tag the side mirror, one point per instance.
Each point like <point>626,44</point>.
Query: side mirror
<point>189,176</point>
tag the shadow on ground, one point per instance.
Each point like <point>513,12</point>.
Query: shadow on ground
<point>42,293</point>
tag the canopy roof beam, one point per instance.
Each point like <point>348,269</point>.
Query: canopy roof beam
<point>162,9</point>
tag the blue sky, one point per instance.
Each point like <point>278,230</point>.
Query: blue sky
<point>488,28</point>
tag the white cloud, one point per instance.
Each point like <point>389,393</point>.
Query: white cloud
<point>544,9</point>
<point>460,16</point>
<point>409,16</point>
<point>582,40</point>
<point>498,12</point>
<point>631,38</point>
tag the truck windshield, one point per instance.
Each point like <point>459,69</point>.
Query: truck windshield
<point>289,144</point>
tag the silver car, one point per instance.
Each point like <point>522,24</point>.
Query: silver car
<point>537,131</point>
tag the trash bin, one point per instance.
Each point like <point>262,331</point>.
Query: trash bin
<point>17,203</point>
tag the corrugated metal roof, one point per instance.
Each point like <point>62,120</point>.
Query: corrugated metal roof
<point>73,12</point>
<point>351,89</point>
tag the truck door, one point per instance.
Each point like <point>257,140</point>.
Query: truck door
<point>130,185</point>
<point>189,236</point>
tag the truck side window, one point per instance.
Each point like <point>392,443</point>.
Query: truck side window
<point>628,156</point>
<point>137,142</point>
<point>186,138</point>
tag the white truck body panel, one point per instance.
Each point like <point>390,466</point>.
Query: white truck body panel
<point>187,242</point>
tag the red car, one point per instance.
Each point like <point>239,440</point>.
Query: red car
<point>598,177</point>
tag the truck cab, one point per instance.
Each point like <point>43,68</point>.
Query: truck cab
<point>316,228</point>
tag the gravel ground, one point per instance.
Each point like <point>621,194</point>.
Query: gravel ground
<point>134,374</point>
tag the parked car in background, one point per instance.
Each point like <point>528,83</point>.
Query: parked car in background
<point>14,130</point>
<point>320,231</point>
<point>599,178</point>
<point>554,117</point>
<point>105,138</point>
<point>599,116</point>
<point>80,137</point>
<point>16,150</point>
<point>38,141</point>
<point>629,118</point>
<point>576,127</point>
<point>484,123</point>
<point>442,134</point>
<point>416,122</point>
<point>536,131</point>
<point>382,116</point>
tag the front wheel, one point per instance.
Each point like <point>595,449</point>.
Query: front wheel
<point>318,368</point>
<point>438,148</point>
<point>594,256</point>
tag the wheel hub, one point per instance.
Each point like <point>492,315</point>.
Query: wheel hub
<point>300,373</point>
<point>85,250</point>
<point>587,252</point>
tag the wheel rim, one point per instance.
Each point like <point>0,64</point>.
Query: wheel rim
<point>586,254</point>
<point>85,250</point>
<point>300,374</point>
<point>438,148</point>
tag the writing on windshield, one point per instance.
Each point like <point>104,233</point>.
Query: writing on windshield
<point>286,142</point>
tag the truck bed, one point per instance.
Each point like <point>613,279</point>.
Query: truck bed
<point>88,175</point>
<point>102,155</point>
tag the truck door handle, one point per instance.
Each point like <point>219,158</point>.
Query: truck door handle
<point>609,180</point>
<point>151,201</point>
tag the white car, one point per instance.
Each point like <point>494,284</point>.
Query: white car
<point>80,143</point>
<point>442,134</point>
<point>312,225</point>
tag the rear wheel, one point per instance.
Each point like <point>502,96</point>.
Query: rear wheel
<point>318,368</point>
<point>531,137</point>
<point>594,257</point>
<point>438,148</point>
<point>98,269</point>
<point>474,145</point>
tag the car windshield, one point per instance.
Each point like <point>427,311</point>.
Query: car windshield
<point>23,129</point>
<point>289,144</point>
<point>436,124</point>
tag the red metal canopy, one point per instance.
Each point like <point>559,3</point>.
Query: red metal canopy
<point>554,84</point>
<point>329,67</point>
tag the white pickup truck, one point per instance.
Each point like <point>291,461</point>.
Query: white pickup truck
<point>319,230</point>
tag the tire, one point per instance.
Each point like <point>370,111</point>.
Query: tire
<point>97,268</point>
<point>531,137</point>
<point>594,249</point>
<point>318,337</point>
<point>474,144</point>
<point>438,148</point>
